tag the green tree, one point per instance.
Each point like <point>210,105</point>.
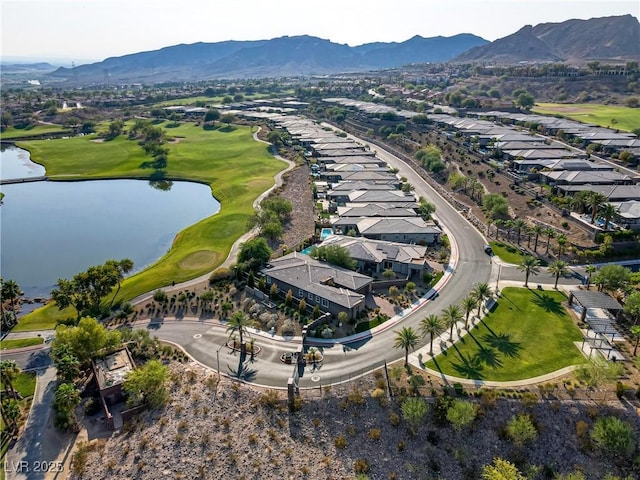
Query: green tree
<point>275,137</point>
<point>481,292</point>
<point>239,322</point>
<point>614,437</point>
<point>608,211</point>
<point>519,224</point>
<point>88,340</point>
<point>11,412</point>
<point>632,307</point>
<point>66,399</point>
<point>635,334</point>
<point>212,115</point>
<point>520,429</point>
<point>9,372</point>
<point>550,233</point>
<point>612,277</point>
<point>450,316</point>
<point>10,290</point>
<point>469,304</point>
<point>414,410</point>
<point>120,269</point>
<point>530,266</point>
<point>255,252</point>
<point>431,325</point>
<point>501,470</point>
<point>558,268</point>
<point>281,207</point>
<point>595,201</point>
<point>495,205</point>
<point>536,230</point>
<point>407,339</point>
<point>335,255</point>
<point>147,384</point>
<point>67,365</point>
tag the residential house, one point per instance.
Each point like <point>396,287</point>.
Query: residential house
<point>393,229</point>
<point>628,215</point>
<point>333,289</point>
<point>375,256</point>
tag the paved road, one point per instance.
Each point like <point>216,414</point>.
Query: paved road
<point>346,360</point>
<point>39,451</point>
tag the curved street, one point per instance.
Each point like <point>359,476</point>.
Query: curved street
<point>344,360</point>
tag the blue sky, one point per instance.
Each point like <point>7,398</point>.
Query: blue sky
<point>91,30</point>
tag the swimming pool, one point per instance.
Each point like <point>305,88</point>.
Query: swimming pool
<point>325,232</point>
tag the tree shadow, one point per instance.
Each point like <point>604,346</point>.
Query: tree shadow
<point>502,342</point>
<point>490,357</point>
<point>243,372</point>
<point>548,303</point>
<point>470,366</point>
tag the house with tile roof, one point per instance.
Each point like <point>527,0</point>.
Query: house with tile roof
<point>333,289</point>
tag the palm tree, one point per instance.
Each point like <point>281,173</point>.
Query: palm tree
<point>468,305</point>
<point>595,202</point>
<point>481,292</point>
<point>528,231</point>
<point>9,371</point>
<point>122,267</point>
<point>66,400</point>
<point>562,242</point>
<point>498,222</point>
<point>11,291</point>
<point>589,270</point>
<point>239,322</point>
<point>519,224</point>
<point>557,268</point>
<point>537,230</point>
<point>550,233</point>
<point>608,211</point>
<point>509,224</point>
<point>406,338</point>
<point>432,326</point>
<point>529,265</point>
<point>580,201</point>
<point>450,316</point>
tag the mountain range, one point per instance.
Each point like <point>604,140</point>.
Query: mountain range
<point>577,41</point>
<point>574,41</point>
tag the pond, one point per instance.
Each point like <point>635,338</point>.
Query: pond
<point>52,230</point>
<point>17,164</point>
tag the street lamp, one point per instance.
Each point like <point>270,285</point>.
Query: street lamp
<point>218,361</point>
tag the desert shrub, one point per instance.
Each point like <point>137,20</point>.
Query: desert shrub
<point>340,442</point>
<point>614,437</point>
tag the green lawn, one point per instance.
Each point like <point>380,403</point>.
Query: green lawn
<point>528,334</point>
<point>507,252</point>
<point>12,132</point>
<point>20,343</point>
<point>627,119</point>
<point>237,168</point>
<point>25,384</point>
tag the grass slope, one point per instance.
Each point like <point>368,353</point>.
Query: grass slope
<point>12,132</point>
<point>20,343</point>
<point>237,168</point>
<point>528,334</point>
<point>627,119</point>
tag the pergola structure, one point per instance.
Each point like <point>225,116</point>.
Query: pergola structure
<point>588,299</point>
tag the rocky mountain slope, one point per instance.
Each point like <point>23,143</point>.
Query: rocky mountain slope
<point>575,41</point>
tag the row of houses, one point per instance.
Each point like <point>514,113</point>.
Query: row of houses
<point>370,217</point>
<point>567,171</point>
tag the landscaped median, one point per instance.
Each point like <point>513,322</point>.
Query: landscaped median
<point>237,168</point>
<point>530,333</point>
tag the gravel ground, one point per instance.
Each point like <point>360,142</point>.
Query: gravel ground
<point>234,431</point>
